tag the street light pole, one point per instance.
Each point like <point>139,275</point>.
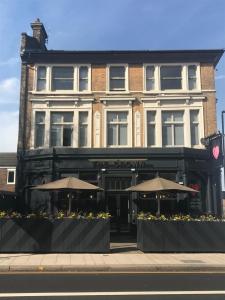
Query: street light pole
<point>223,144</point>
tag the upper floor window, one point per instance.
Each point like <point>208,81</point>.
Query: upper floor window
<point>41,78</point>
<point>62,78</point>
<point>151,128</point>
<point>172,128</point>
<point>83,129</point>
<point>39,129</point>
<point>192,77</point>
<point>11,176</point>
<point>83,78</point>
<point>61,129</point>
<point>74,78</point>
<point>194,123</point>
<point>150,78</point>
<point>117,127</point>
<point>170,77</point>
<point>117,78</point>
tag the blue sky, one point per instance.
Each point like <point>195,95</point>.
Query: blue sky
<point>105,25</point>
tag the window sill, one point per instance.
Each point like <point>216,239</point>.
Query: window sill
<point>174,146</point>
<point>161,92</point>
<point>61,92</point>
<point>118,92</point>
<point>124,146</point>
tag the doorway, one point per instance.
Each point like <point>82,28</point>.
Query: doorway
<point>119,209</point>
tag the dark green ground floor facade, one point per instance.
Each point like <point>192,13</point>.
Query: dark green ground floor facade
<point>116,169</point>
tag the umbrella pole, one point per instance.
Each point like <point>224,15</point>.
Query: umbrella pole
<point>50,205</point>
<point>158,204</point>
<point>70,200</point>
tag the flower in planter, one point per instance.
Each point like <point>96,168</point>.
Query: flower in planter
<point>60,215</point>
<point>75,215</point>
<point>103,215</point>
<point>89,216</point>
<point>15,214</point>
<point>179,217</point>
<point>3,214</point>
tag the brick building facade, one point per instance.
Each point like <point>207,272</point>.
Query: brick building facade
<point>116,118</point>
<point>7,172</point>
<point>8,163</point>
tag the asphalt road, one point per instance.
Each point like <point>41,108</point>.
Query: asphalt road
<point>153,286</point>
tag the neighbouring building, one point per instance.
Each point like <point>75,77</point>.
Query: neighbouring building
<point>223,201</point>
<point>117,118</point>
<point>8,163</point>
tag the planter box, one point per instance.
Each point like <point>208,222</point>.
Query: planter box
<point>59,236</point>
<point>180,236</point>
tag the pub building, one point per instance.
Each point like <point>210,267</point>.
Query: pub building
<point>116,119</point>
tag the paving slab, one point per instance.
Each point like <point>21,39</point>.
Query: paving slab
<point>113,262</point>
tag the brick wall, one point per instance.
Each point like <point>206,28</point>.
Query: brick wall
<point>3,181</point>
<point>209,105</point>
<point>98,78</point>
<point>98,82</point>
<point>135,77</point>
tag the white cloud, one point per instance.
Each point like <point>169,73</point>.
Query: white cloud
<point>9,90</point>
<point>12,61</point>
<point>9,131</point>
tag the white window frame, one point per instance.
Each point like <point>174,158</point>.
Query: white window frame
<point>11,170</point>
<point>199,126</point>
<point>198,77</point>
<point>34,129</point>
<point>155,123</point>
<point>156,72</point>
<point>129,126</point>
<point>88,128</point>
<point>117,123</point>
<point>173,124</point>
<point>36,78</point>
<point>154,106</point>
<point>75,140</point>
<point>78,78</point>
<point>184,75</point>
<point>74,78</point>
<point>62,124</point>
<point>75,89</point>
<point>126,90</point>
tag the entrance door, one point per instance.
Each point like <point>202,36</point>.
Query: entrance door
<point>118,206</point>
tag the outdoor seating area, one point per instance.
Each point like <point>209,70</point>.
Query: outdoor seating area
<point>73,231</point>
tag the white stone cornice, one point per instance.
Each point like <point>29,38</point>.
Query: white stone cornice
<point>158,98</point>
<point>117,98</point>
<point>61,99</point>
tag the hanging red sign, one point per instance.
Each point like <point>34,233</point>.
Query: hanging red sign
<point>216,151</point>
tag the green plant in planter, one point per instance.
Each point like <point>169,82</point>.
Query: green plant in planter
<point>179,217</point>
<point>74,215</point>
<point>89,216</point>
<point>3,214</point>
<point>16,215</point>
<point>60,215</point>
<point>103,215</point>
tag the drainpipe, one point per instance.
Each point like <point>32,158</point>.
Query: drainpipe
<point>223,145</point>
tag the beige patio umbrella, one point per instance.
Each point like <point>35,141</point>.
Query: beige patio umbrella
<point>160,185</point>
<point>69,184</point>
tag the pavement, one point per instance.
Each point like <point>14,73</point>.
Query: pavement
<point>122,258</point>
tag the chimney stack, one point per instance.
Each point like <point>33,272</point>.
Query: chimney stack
<point>39,33</point>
